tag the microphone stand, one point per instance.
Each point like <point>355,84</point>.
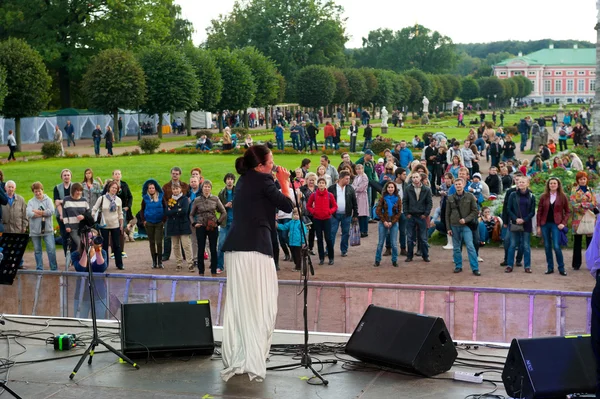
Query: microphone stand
<point>305,359</point>
<point>96,340</point>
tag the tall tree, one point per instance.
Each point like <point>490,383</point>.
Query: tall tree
<point>171,81</point>
<point>403,90</point>
<point>357,85</point>
<point>264,74</point>
<point>490,86</point>
<point>342,88</point>
<point>68,33</point>
<point>411,47</point>
<point>114,79</point>
<point>3,86</point>
<point>210,84</point>
<point>414,93</point>
<point>470,89</point>
<point>423,80</point>
<point>370,84</point>
<point>27,80</point>
<point>525,86</point>
<point>385,88</point>
<point>238,84</point>
<point>315,86</point>
<point>292,33</point>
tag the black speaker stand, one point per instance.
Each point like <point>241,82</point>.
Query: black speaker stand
<point>96,341</point>
<point>305,360</point>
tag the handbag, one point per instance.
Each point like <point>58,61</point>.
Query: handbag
<point>587,224</point>
<point>354,235</point>
<point>99,217</point>
<point>517,228</point>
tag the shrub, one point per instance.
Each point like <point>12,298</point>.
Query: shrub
<point>203,132</point>
<point>50,150</point>
<point>71,155</point>
<point>378,147</point>
<point>149,145</point>
<point>426,137</point>
<point>511,130</point>
<point>240,131</point>
<point>136,152</point>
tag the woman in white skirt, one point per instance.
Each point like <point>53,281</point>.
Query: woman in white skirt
<point>252,288</point>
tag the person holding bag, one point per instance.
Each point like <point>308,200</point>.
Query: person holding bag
<point>389,210</point>
<point>521,210</point>
<point>583,201</point>
<point>552,216</point>
<point>111,208</point>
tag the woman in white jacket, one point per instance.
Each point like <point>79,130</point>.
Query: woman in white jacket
<point>39,212</point>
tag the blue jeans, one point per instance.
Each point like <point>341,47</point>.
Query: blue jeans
<point>393,234</point>
<point>523,141</point>
<point>483,233</point>
<point>329,142</point>
<point>50,250</point>
<point>506,244</point>
<point>311,141</point>
<point>97,147</point>
<point>551,236</point>
<point>519,239</point>
<point>280,144</point>
<point>402,229</point>
<point>480,144</point>
<point>411,228</point>
<point>367,144</point>
<point>295,142</point>
<point>223,231</point>
<point>460,235</point>
<point>336,220</point>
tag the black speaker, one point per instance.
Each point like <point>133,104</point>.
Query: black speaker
<point>408,341</point>
<point>549,367</point>
<point>166,329</point>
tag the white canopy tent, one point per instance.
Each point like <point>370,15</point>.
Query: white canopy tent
<point>200,119</point>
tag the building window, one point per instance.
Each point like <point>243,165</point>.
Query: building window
<point>503,73</point>
<point>558,86</point>
<point>581,85</point>
<point>547,73</point>
<point>580,73</point>
<point>517,73</point>
<point>531,73</point>
<point>592,85</point>
<point>570,73</point>
<point>547,86</point>
<point>592,72</point>
<point>569,85</point>
<point>558,73</point>
<point>569,100</point>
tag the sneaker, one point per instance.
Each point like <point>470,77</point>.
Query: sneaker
<point>123,255</point>
<point>205,255</point>
<point>504,263</point>
<point>219,271</point>
<point>450,246</point>
<point>457,270</point>
<point>330,262</point>
<point>312,252</point>
<point>426,260</point>
<point>112,256</point>
<point>479,259</point>
<point>344,254</point>
<point>395,264</point>
<point>418,253</point>
<point>408,260</point>
<point>476,273</point>
<point>376,264</point>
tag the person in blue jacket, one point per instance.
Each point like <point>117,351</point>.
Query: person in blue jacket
<point>297,232</point>
<point>279,136</point>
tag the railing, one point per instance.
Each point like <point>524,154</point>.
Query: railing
<point>471,313</point>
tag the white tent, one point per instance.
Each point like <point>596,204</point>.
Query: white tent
<point>458,104</point>
<point>200,119</point>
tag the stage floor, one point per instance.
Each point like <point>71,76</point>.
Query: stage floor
<point>199,377</point>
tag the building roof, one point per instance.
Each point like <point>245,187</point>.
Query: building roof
<point>557,56</point>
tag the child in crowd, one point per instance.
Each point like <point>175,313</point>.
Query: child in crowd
<point>591,165</point>
<point>476,187</point>
<point>493,181</point>
<point>321,205</point>
<point>552,146</point>
<point>297,233</point>
<point>558,163</point>
<point>380,167</point>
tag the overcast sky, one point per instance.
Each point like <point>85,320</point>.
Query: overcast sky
<point>465,21</point>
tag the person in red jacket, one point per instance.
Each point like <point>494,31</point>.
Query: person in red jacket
<point>552,216</point>
<point>329,133</point>
<point>321,205</point>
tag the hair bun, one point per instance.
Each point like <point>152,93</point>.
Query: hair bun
<point>240,165</point>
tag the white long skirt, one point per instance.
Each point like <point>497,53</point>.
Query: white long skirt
<point>249,315</point>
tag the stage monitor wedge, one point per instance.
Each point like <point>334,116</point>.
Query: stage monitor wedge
<point>408,341</point>
<point>167,329</point>
<point>549,367</point>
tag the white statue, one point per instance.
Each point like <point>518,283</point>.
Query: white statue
<point>425,105</point>
<point>512,102</point>
<point>384,117</point>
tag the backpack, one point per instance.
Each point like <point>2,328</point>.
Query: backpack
<point>562,133</point>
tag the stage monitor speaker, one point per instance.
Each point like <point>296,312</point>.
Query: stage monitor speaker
<point>549,367</point>
<point>408,341</point>
<point>166,329</point>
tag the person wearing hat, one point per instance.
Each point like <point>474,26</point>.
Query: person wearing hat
<point>476,188</point>
<point>380,167</point>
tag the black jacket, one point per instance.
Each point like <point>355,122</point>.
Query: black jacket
<point>431,152</point>
<point>178,220</point>
<point>414,207</point>
<point>495,150</point>
<point>368,133</point>
<point>494,183</point>
<point>351,204</point>
<point>255,205</point>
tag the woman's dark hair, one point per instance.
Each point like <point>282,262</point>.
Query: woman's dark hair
<point>85,172</point>
<point>254,156</point>
<point>385,186</point>
<point>305,162</point>
<point>229,176</point>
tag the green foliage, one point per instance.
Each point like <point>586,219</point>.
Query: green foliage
<point>204,132</point>
<point>50,149</point>
<point>315,86</point>
<point>210,84</point>
<point>241,132</point>
<point>264,74</point>
<point>510,88</point>
<point>402,91</point>
<point>114,80</point>
<point>411,47</point>
<point>357,85</point>
<point>378,147</point>
<point>170,78</point>
<point>69,33</point>
<point>238,84</point>
<point>470,89</point>
<point>26,77</point>
<point>525,86</point>
<point>423,79</point>
<point>3,86</point>
<point>483,50</point>
<point>149,145</point>
<point>385,88</point>
<point>370,84</point>
<point>342,88</point>
<point>490,86</point>
<point>415,93</point>
<point>293,34</point>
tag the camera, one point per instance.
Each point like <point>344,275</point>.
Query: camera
<point>98,240</point>
<point>274,170</point>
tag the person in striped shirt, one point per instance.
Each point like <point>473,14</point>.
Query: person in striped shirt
<point>74,206</point>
